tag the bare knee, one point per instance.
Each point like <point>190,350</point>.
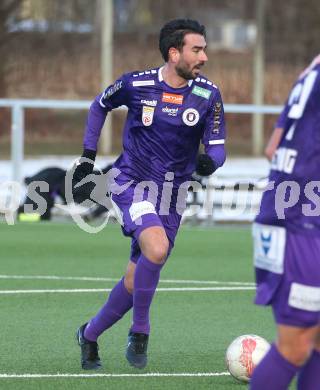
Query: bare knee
<point>158,252</point>
<point>298,349</point>
<point>296,354</point>
<point>129,277</point>
<point>154,244</point>
<point>128,284</point>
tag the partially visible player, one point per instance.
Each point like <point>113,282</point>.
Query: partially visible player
<point>170,110</point>
<point>287,242</point>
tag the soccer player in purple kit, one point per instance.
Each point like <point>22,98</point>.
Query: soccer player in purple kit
<point>287,241</point>
<point>170,110</point>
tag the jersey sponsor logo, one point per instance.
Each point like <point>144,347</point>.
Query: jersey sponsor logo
<point>113,89</point>
<point>172,98</point>
<point>151,103</point>
<point>216,117</point>
<point>284,160</point>
<point>202,92</point>
<point>170,111</point>
<point>141,83</point>
<point>190,117</point>
<point>265,242</point>
<point>147,115</point>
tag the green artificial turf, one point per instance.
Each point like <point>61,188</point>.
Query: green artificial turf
<point>190,329</point>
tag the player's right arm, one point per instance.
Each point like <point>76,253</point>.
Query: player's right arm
<point>114,96</point>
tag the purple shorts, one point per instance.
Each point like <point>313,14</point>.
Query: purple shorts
<point>288,274</point>
<point>138,212</point>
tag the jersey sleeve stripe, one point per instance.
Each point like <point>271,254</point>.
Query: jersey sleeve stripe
<point>142,83</point>
<point>216,142</point>
<point>100,101</point>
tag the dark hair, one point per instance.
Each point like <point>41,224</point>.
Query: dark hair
<point>172,34</point>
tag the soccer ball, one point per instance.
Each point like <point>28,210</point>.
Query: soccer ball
<point>244,354</point>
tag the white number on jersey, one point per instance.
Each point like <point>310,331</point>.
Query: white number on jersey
<point>284,160</point>
<point>300,94</point>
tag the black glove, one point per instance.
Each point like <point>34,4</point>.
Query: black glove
<point>205,166</point>
<point>83,169</point>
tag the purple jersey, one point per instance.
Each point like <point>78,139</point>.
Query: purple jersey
<point>295,204</point>
<point>164,125</point>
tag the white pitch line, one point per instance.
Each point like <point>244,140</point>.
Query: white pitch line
<point>97,279</point>
<point>94,290</point>
<point>150,374</point>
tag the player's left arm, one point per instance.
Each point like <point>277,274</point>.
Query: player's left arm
<point>213,138</point>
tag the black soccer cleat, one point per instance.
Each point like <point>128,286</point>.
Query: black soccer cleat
<point>90,359</point>
<point>137,349</point>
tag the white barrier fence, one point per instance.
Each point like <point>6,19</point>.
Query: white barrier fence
<point>18,107</point>
<point>229,203</point>
<point>232,194</point>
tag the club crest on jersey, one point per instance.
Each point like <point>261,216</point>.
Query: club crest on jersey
<point>147,115</point>
<point>172,98</point>
<point>190,117</point>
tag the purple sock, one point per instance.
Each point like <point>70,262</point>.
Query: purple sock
<point>308,376</point>
<point>274,372</point>
<point>146,279</point>
<point>118,303</point>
